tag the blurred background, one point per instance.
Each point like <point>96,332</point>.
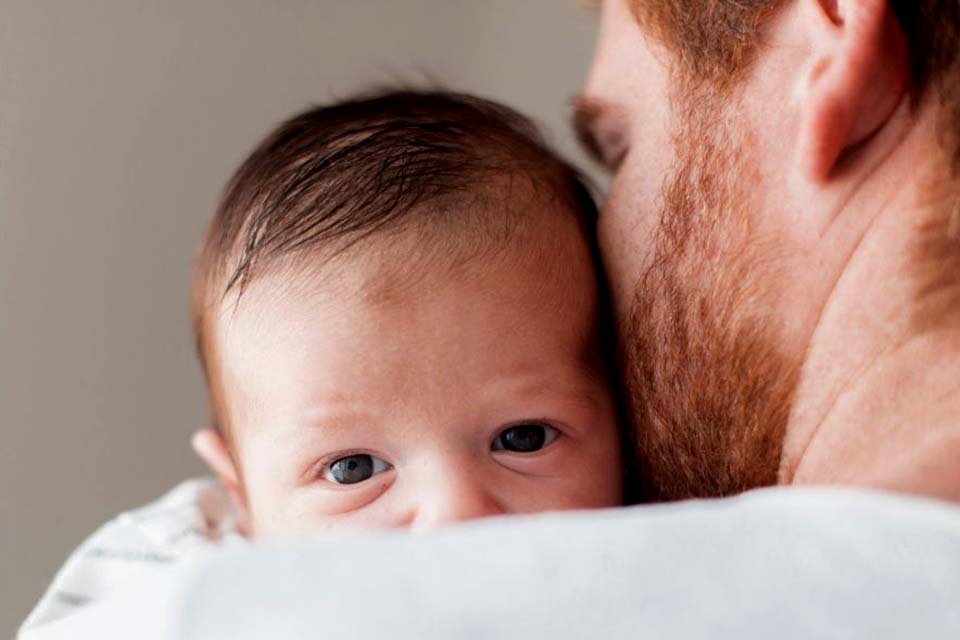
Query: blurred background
<point>120,121</point>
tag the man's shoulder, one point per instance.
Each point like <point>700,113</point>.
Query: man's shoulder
<point>783,563</point>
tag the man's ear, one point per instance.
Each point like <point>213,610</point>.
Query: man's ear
<point>210,446</point>
<point>857,76</point>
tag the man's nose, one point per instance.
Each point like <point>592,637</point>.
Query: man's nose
<point>455,498</point>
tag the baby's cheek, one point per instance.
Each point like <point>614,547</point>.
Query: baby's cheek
<point>600,469</point>
<point>267,517</point>
<point>312,509</point>
<point>273,511</point>
<point>583,475</point>
<point>599,489</point>
<point>286,517</point>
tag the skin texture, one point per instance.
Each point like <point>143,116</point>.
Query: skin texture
<point>421,365</point>
<point>782,270</point>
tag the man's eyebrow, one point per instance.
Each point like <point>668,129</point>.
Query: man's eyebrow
<point>586,112</point>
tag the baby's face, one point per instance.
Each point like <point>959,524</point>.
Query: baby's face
<point>390,397</point>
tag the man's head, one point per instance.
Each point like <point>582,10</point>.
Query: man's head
<point>398,313</point>
<point>742,135</point>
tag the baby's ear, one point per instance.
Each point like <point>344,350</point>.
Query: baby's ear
<point>210,446</point>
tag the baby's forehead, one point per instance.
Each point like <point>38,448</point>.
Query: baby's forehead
<point>542,248</point>
<point>364,329</point>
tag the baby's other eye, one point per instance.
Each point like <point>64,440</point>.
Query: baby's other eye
<point>525,437</point>
<point>354,468</point>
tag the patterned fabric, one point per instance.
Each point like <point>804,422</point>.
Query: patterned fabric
<point>136,547</point>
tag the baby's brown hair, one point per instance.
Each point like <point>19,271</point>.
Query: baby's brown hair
<point>335,176</point>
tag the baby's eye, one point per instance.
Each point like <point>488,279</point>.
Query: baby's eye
<point>354,468</point>
<point>525,437</point>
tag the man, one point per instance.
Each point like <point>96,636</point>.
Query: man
<point>783,234</point>
<point>783,240</point>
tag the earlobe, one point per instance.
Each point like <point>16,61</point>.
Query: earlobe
<point>855,81</point>
<point>210,447</point>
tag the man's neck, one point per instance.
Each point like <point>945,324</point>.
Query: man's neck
<point>878,403</point>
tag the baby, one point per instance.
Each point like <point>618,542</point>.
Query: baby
<point>397,308</point>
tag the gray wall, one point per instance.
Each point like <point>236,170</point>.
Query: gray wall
<point>119,122</point>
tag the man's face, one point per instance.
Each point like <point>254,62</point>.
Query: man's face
<point>698,255</point>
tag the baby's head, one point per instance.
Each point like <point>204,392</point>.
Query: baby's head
<point>398,311</point>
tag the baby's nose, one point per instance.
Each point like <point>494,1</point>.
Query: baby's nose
<point>455,500</point>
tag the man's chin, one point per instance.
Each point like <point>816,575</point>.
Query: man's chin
<point>710,408</point>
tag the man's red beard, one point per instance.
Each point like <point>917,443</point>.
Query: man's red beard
<point>709,391</point>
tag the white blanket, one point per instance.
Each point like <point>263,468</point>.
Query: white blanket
<point>814,563</point>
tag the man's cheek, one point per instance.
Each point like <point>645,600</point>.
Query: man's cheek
<point>626,231</point>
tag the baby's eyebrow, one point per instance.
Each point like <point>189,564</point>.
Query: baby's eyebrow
<point>334,419</point>
<point>530,383</point>
<point>336,411</point>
